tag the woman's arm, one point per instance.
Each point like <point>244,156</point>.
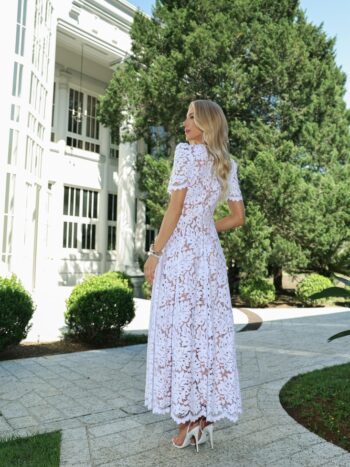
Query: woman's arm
<point>171,218</point>
<point>235,219</point>
<point>169,222</point>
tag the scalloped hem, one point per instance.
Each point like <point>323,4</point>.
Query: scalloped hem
<point>231,417</point>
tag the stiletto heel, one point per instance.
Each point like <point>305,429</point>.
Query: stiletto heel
<point>209,429</point>
<point>206,430</point>
<point>196,437</point>
<point>187,441</point>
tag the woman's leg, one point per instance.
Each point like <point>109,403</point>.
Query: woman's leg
<point>179,439</point>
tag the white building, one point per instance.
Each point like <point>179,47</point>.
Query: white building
<point>68,196</point>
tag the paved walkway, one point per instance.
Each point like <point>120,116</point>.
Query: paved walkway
<point>96,398</point>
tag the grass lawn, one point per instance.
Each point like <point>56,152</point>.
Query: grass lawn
<point>41,450</point>
<point>319,400</point>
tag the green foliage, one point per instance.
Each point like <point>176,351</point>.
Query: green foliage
<point>155,172</point>
<point>249,246</point>
<point>125,276</point>
<point>99,307</point>
<point>16,310</point>
<point>311,284</point>
<point>40,450</point>
<point>146,290</point>
<point>256,292</point>
<point>275,76</point>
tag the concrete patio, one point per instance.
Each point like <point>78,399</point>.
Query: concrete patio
<point>96,398</point>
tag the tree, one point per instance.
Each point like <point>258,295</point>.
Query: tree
<point>275,76</point>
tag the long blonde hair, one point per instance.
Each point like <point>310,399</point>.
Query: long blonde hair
<point>209,117</point>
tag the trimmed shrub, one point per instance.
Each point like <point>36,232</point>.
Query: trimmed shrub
<point>125,276</point>
<point>311,284</point>
<point>146,290</point>
<point>16,310</point>
<point>257,292</point>
<point>99,307</point>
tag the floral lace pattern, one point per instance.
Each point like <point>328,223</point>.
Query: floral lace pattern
<point>191,356</point>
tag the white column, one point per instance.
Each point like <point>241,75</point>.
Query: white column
<point>57,189</point>
<point>102,218</point>
<point>62,89</point>
<point>126,208</point>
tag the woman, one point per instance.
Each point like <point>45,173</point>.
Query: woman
<point>191,358</point>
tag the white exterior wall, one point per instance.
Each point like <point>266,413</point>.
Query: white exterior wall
<point>8,34</point>
<point>22,227</point>
<point>38,257</point>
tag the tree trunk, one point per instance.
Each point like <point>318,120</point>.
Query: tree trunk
<point>277,280</point>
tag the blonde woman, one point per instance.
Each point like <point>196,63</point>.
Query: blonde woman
<point>191,357</point>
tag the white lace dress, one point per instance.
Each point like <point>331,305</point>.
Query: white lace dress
<point>191,356</point>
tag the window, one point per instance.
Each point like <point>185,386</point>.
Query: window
<point>53,105</point>
<point>75,106</point>
<point>17,79</point>
<point>15,112</point>
<point>157,144</point>
<point>113,150</point>
<point>113,153</point>
<point>42,37</point>
<point>21,26</point>
<point>92,126</point>
<point>70,235</point>
<point>8,218</point>
<point>150,232</point>
<point>33,157</point>
<point>112,220</point>
<point>37,95</point>
<point>83,127</point>
<point>12,147</point>
<point>80,211</point>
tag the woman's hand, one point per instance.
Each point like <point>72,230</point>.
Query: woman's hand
<point>149,268</point>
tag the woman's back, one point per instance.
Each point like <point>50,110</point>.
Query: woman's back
<point>193,168</point>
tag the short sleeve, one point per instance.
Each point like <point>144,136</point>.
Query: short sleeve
<point>179,177</point>
<point>234,191</point>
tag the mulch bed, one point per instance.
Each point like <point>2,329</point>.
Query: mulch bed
<point>42,349</point>
<point>32,349</point>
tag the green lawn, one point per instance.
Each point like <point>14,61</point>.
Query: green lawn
<point>320,401</point>
<point>35,451</point>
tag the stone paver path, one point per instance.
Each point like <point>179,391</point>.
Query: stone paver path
<point>96,398</point>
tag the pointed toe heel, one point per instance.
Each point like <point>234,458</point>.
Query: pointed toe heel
<point>187,441</point>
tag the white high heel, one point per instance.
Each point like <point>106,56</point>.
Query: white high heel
<point>208,430</point>
<point>205,432</point>
<point>189,433</point>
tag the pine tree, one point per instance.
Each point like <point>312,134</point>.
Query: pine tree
<point>274,74</point>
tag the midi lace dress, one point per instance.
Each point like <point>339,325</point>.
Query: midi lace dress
<point>191,358</point>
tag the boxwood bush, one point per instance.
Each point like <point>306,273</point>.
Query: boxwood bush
<point>257,292</point>
<point>124,275</point>
<point>311,284</point>
<point>16,310</point>
<point>146,290</point>
<point>99,307</point>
